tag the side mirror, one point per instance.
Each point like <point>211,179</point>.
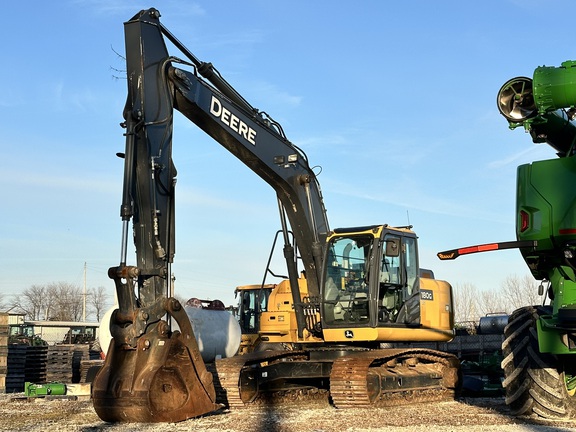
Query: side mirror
<point>393,247</point>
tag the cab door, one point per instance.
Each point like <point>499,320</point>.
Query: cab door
<point>397,288</point>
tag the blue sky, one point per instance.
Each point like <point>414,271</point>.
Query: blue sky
<point>394,100</point>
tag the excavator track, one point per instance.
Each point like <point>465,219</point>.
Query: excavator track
<point>389,377</point>
<point>227,379</point>
<point>226,374</point>
<point>371,378</point>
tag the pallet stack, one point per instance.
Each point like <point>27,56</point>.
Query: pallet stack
<point>3,367</point>
<point>4,331</point>
<point>59,363</point>
<point>24,364</point>
<point>16,368</point>
<point>35,371</point>
<point>20,363</point>
<point>79,352</point>
<point>64,362</point>
<point>88,369</point>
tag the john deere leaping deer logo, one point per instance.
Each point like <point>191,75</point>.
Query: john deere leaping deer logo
<point>349,334</point>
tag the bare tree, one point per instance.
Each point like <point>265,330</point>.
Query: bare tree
<point>60,301</point>
<point>32,302</point>
<point>465,303</point>
<point>515,292</point>
<point>97,300</point>
<point>520,291</point>
<point>491,302</point>
<point>50,302</point>
<point>66,302</point>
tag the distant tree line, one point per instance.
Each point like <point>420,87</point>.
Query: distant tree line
<point>470,303</point>
<point>59,301</point>
<point>65,302</point>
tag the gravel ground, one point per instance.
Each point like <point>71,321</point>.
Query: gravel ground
<point>464,415</point>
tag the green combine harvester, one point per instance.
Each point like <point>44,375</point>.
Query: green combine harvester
<point>540,340</point>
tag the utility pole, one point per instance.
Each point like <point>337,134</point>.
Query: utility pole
<point>84,303</point>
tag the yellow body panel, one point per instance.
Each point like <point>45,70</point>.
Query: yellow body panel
<point>247,343</point>
<point>387,334</point>
<point>436,319</point>
<point>278,325</point>
<point>437,314</point>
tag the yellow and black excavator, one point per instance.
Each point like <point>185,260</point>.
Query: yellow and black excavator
<point>347,291</point>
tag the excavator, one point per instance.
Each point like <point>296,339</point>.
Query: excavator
<point>540,340</point>
<point>346,291</point>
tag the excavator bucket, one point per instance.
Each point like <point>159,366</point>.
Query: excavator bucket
<point>162,379</point>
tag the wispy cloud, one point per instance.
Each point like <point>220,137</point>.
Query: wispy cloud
<point>189,196</point>
<point>535,152</point>
<point>46,181</point>
<point>10,97</point>
<point>527,4</point>
<point>115,7</point>
<point>243,40</point>
<point>320,141</point>
<point>105,7</point>
<point>62,97</point>
<point>274,95</point>
<point>389,150</point>
<point>412,195</point>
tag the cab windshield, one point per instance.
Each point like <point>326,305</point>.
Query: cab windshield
<point>250,305</point>
<point>346,282</point>
<point>385,293</point>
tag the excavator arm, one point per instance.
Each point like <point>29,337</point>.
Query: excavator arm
<point>155,88</point>
<point>151,372</point>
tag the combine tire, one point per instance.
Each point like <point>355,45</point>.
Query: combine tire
<point>534,381</point>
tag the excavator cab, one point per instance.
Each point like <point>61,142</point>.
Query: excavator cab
<point>371,274</point>
<point>372,291</point>
<point>252,301</point>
